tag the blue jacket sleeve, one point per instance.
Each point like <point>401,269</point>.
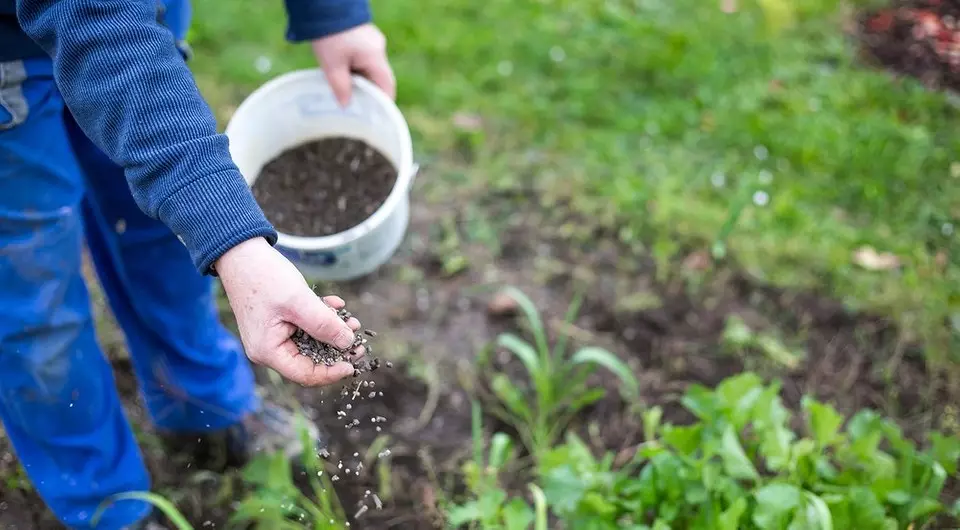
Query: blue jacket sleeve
<point>131,92</point>
<point>313,19</point>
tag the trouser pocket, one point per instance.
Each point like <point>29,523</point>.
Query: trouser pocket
<point>13,104</point>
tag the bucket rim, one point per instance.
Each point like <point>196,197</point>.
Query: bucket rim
<point>406,168</point>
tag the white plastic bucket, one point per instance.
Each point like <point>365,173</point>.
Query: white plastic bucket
<point>299,107</point>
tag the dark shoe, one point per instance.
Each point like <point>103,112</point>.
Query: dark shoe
<point>269,430</point>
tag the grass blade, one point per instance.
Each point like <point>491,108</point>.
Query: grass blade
<point>540,507</point>
<point>533,317</point>
<point>158,501</point>
<point>608,360</point>
<point>560,349</point>
<point>523,350</point>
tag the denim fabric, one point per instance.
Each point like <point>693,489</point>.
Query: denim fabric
<point>58,402</point>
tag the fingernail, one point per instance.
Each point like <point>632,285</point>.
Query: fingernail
<point>344,339</point>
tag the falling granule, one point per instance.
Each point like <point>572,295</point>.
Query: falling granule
<point>377,502</point>
<point>363,509</point>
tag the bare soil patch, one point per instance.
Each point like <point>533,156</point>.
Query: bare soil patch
<point>919,38</point>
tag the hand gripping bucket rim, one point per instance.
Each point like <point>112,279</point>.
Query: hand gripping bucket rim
<point>406,168</point>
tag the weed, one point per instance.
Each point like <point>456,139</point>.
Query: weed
<point>558,387</point>
<point>276,502</point>
<point>491,508</point>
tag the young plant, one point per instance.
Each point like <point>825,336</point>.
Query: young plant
<point>490,507</point>
<point>742,467</point>
<point>558,383</point>
<point>277,503</point>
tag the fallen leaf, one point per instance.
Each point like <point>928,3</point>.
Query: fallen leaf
<point>870,259</point>
<point>697,261</point>
<point>941,260</point>
<point>502,304</point>
<point>466,121</point>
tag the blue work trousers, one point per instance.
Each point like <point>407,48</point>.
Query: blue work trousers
<point>58,401</point>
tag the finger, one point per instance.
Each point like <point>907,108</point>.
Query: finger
<point>380,73</point>
<point>320,321</point>
<point>334,301</point>
<point>293,366</point>
<point>338,75</point>
<point>353,323</point>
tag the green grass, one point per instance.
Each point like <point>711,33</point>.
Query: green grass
<point>673,114</point>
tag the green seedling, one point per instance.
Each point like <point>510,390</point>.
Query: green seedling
<point>491,507</point>
<point>277,503</point>
<point>558,387</point>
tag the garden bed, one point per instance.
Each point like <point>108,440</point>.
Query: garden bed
<point>919,38</point>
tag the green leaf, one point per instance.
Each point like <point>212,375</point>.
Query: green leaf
<point>501,450</point>
<point>529,310</point>
<point>651,423</point>
<point>729,519</point>
<point>540,507</point>
<point>735,460</point>
<point>946,451</point>
<point>517,515</point>
<point>523,351</point>
<point>700,401</point>
<point>585,398</point>
<point>510,396</point>
<point>865,509</point>
<point>823,421</point>
<point>738,395</point>
<point>630,389</point>
<point>924,508</point>
<point>564,488</point>
<point>459,515</point>
<point>774,502</point>
<point>158,501</point>
<point>817,512</point>
<point>685,439</point>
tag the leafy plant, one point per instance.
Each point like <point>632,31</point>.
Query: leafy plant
<point>558,383</point>
<point>490,506</point>
<point>276,502</point>
<point>741,467</point>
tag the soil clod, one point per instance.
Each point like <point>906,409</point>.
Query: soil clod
<point>324,187</point>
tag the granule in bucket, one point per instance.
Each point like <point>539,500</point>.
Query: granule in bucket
<point>324,187</point>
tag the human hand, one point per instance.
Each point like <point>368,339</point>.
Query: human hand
<point>361,50</point>
<point>270,300</point>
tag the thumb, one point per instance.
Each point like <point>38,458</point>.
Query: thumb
<point>338,75</point>
<point>321,322</point>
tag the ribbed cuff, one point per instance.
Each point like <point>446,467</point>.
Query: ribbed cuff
<point>213,214</point>
<point>313,19</point>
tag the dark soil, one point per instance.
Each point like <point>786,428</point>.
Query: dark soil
<point>404,433</point>
<point>324,187</point>
<point>327,354</point>
<point>919,38</point>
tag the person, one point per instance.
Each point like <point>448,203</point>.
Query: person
<point>107,144</point>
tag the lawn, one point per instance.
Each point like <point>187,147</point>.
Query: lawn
<point>737,273</point>
<point>674,115</point>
